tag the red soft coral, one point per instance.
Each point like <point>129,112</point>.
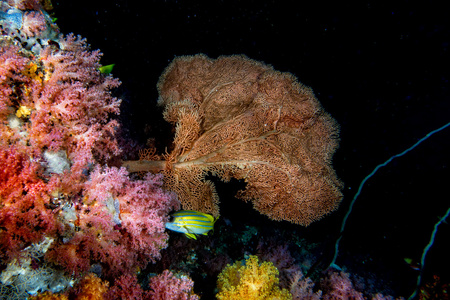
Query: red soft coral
<point>125,287</point>
<point>24,216</point>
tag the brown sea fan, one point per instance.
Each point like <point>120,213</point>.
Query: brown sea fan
<point>238,118</point>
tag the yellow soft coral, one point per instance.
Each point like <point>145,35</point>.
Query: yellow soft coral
<point>252,281</point>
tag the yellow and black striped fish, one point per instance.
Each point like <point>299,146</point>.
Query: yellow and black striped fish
<point>191,223</point>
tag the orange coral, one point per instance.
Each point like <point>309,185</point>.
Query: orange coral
<point>92,288</point>
<point>238,118</point>
<point>49,296</point>
<point>252,281</point>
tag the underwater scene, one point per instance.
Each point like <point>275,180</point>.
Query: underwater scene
<point>180,150</point>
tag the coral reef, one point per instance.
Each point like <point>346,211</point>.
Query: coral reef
<point>58,131</point>
<point>74,224</point>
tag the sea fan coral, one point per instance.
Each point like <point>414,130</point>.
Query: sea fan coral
<point>239,118</point>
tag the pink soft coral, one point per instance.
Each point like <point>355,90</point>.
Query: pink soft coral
<point>74,103</point>
<point>61,106</point>
<point>302,288</point>
<point>25,4</point>
<point>120,223</point>
<point>143,207</point>
<point>57,102</point>
<point>33,23</point>
<point>167,286</point>
<point>56,109</point>
<point>68,101</point>
<point>338,286</point>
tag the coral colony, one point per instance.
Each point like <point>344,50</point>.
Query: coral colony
<point>250,123</point>
<point>75,224</point>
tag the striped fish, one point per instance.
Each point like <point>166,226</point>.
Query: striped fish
<point>191,223</point>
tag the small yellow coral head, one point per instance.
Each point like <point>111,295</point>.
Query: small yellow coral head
<point>250,281</point>
<point>23,112</point>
